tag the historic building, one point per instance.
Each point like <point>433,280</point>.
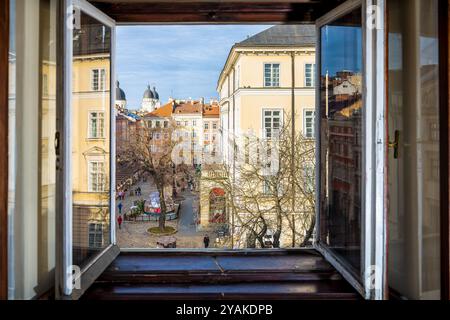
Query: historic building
<point>267,85</point>
<point>265,78</point>
<point>150,100</point>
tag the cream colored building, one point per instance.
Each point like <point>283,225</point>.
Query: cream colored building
<point>90,152</point>
<point>268,76</point>
<point>266,79</point>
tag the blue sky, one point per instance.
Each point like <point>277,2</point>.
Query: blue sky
<point>181,61</point>
<point>342,49</point>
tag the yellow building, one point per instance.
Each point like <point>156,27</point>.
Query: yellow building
<point>267,79</point>
<point>90,148</point>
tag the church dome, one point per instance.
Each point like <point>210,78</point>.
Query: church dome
<point>120,94</point>
<point>148,94</point>
<point>155,93</point>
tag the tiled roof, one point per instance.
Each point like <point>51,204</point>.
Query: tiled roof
<point>288,35</point>
<point>163,112</point>
<point>188,108</point>
<point>211,111</point>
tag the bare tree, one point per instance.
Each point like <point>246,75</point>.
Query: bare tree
<point>151,150</point>
<point>270,187</point>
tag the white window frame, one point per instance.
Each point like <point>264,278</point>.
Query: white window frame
<point>372,283</point>
<point>96,233</point>
<point>101,81</point>
<point>266,187</point>
<point>313,116</point>
<point>263,121</point>
<point>313,74</point>
<point>64,262</point>
<point>99,135</point>
<point>272,64</point>
<point>90,163</point>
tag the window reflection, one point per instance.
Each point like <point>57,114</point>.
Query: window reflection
<point>413,92</point>
<point>341,113</point>
<point>91,139</point>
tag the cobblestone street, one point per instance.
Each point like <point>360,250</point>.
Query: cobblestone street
<point>135,235</point>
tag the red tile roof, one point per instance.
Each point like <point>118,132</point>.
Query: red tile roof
<point>189,108</point>
<point>211,111</point>
<point>163,112</point>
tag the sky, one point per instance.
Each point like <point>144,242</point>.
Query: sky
<point>342,49</point>
<point>180,61</point>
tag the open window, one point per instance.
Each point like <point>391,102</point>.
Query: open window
<point>87,151</point>
<point>346,112</point>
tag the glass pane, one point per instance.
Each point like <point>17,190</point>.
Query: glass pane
<point>414,210</point>
<point>31,132</point>
<point>341,135</point>
<point>91,139</point>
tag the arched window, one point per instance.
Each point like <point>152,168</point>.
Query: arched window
<point>217,212</point>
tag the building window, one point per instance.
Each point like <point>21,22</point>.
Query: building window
<point>95,235</point>
<point>96,176</point>
<point>206,125</point>
<point>96,125</point>
<point>266,187</point>
<point>45,85</point>
<point>178,123</point>
<point>186,123</point>
<point>308,125</point>
<point>158,124</point>
<point>213,137</point>
<point>434,131</point>
<point>272,75</point>
<point>194,123</point>
<point>98,79</point>
<point>157,136</point>
<point>310,70</point>
<point>272,123</point>
<point>215,125</point>
<point>166,124</point>
<point>206,137</point>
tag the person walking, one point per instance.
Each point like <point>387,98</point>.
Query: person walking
<point>119,221</point>
<point>120,206</point>
<point>206,241</point>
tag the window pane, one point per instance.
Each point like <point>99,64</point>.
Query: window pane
<point>90,158</point>
<point>414,181</point>
<point>341,193</point>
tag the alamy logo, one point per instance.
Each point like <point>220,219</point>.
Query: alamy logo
<point>374,18</point>
<point>73,20</point>
<point>73,277</point>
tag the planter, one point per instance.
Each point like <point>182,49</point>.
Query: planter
<point>155,231</point>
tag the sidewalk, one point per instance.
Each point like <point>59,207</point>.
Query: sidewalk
<point>135,235</point>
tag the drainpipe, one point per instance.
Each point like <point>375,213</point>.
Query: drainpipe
<point>293,146</point>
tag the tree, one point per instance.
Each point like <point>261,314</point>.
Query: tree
<point>270,188</point>
<point>151,149</point>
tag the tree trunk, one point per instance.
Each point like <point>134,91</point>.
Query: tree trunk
<point>251,240</point>
<point>162,215</point>
<point>309,233</point>
<point>277,234</point>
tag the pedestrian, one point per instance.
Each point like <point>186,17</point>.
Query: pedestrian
<point>119,221</point>
<point>206,241</point>
<point>120,206</point>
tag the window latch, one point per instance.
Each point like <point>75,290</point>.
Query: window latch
<point>57,143</point>
<point>395,144</point>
